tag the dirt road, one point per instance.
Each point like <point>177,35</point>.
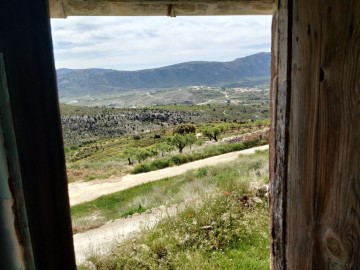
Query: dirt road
<point>102,239</point>
<point>86,191</point>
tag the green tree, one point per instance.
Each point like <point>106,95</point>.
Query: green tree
<point>207,132</point>
<point>213,132</point>
<point>178,141</point>
<point>142,154</point>
<point>190,139</point>
<point>164,148</point>
<point>130,154</point>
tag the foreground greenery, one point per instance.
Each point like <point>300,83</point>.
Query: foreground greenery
<point>238,238</point>
<point>226,230</point>
<point>192,185</point>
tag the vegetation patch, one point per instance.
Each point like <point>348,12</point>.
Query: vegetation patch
<point>82,125</point>
<point>113,157</point>
<point>226,231</point>
<point>196,155</point>
<point>193,185</point>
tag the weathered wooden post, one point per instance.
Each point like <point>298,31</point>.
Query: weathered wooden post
<point>315,172</point>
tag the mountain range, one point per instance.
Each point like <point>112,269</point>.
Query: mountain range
<point>102,81</point>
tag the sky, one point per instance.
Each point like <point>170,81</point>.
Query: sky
<point>134,43</point>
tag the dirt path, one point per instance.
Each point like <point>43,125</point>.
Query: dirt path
<point>102,239</point>
<point>86,191</point>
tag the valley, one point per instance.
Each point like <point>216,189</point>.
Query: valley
<point>139,145</point>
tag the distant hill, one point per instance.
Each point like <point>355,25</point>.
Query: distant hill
<point>102,81</point>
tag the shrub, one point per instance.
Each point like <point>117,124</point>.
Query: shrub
<point>205,153</point>
<point>144,167</point>
<point>160,164</point>
<point>176,159</point>
<point>185,129</point>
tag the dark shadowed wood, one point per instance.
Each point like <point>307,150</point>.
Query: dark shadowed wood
<point>322,153</point>
<point>25,42</point>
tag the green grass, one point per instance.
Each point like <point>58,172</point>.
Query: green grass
<point>192,185</point>
<point>225,232</point>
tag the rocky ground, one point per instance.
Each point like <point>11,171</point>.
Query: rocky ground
<point>118,123</point>
<point>82,124</point>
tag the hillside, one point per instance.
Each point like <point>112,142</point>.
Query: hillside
<point>82,124</point>
<point>247,70</point>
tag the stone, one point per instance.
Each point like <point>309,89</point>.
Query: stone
<point>256,200</point>
<point>206,228</point>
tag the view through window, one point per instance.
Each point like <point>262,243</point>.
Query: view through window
<point>165,125</point>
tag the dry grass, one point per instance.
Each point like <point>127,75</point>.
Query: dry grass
<point>193,185</point>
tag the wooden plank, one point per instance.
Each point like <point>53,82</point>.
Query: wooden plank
<point>324,154</point>
<point>64,8</point>
<point>280,96</point>
<point>321,185</point>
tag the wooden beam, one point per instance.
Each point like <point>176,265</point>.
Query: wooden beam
<point>279,136</point>
<point>316,171</point>
<point>64,8</point>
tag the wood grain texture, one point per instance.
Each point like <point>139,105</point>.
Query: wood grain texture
<point>323,177</point>
<point>64,8</point>
<point>280,95</point>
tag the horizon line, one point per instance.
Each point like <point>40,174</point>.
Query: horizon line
<point>195,61</point>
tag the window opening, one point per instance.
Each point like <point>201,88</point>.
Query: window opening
<point>123,128</point>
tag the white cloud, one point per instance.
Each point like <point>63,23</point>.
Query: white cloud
<point>132,43</point>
